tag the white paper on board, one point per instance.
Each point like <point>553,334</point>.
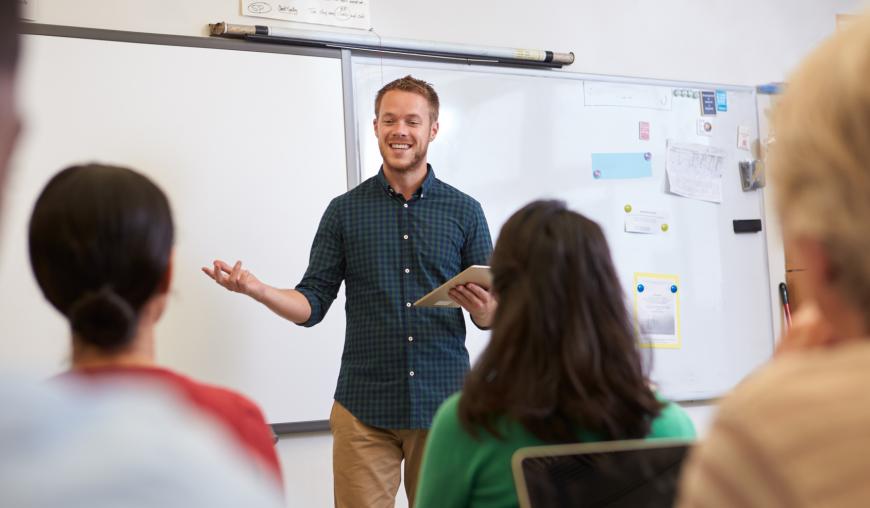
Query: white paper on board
<point>626,95</point>
<point>695,171</point>
<point>743,137</point>
<point>343,13</point>
<point>657,309</point>
<point>647,222</point>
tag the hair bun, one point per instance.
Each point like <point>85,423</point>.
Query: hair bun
<point>103,318</point>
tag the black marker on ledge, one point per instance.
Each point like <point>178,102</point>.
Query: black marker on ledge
<point>783,294</point>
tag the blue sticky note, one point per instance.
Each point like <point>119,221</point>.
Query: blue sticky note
<point>614,166</point>
<point>721,100</point>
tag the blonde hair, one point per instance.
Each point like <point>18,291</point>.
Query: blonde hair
<point>820,162</point>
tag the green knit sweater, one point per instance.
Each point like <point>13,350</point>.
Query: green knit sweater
<point>459,470</point>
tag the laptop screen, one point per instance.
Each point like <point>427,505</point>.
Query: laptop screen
<point>615,474</point>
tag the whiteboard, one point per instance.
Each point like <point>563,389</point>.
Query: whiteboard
<point>509,136</point>
<point>249,146</point>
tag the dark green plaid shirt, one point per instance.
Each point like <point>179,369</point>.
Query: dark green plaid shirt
<point>399,362</point>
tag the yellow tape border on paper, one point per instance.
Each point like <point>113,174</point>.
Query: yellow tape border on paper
<point>675,279</point>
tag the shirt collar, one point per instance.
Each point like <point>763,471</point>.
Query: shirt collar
<point>424,189</point>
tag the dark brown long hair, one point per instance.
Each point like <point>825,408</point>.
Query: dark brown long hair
<point>563,354</point>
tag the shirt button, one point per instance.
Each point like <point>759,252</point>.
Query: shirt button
<point>407,270</point>
<point>411,373</point>
<point>408,304</point>
<point>410,339</point>
<point>405,237</point>
<point>405,205</point>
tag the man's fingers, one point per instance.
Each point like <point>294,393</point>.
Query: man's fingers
<point>236,273</point>
<point>470,296</point>
<point>208,271</point>
<point>464,298</point>
<point>221,266</point>
<point>478,291</point>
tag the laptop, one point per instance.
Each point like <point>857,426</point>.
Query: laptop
<point>613,474</point>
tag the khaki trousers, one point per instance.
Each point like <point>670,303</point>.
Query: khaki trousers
<point>366,461</point>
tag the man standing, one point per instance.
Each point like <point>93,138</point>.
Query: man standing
<point>392,239</point>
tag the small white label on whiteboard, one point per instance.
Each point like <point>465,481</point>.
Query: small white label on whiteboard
<point>646,222</point>
<point>626,95</point>
<point>743,137</point>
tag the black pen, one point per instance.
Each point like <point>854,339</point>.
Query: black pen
<point>783,294</point>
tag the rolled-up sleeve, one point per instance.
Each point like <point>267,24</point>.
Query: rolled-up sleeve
<point>326,265</point>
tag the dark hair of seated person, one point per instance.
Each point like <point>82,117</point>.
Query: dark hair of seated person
<point>563,354</point>
<point>100,245</point>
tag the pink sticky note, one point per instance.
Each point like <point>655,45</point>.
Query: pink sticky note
<point>643,130</point>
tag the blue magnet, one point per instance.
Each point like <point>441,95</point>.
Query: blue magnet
<point>596,174</point>
<point>647,156</point>
<point>673,288</point>
<point>640,288</point>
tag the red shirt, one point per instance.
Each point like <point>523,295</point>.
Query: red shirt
<point>236,412</point>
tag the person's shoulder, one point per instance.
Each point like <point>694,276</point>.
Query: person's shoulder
<point>365,188</point>
<point>448,411</point>
<point>446,422</point>
<point>448,191</point>
<point>353,195</point>
<point>217,397</point>
<point>835,378</point>
<point>672,422</point>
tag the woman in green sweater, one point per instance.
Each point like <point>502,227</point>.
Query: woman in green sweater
<point>562,364</point>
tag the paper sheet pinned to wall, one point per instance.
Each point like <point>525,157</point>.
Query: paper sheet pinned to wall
<point>647,222</point>
<point>344,13</point>
<point>657,310</point>
<point>615,166</point>
<point>695,171</point>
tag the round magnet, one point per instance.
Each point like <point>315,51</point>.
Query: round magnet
<point>695,94</point>
<point>664,227</point>
<point>673,288</point>
<point>627,208</point>
<point>676,93</point>
<point>596,174</point>
<point>647,156</point>
<point>640,288</point>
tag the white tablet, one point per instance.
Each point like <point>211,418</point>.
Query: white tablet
<point>439,297</point>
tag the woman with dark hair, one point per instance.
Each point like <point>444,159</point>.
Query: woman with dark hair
<point>101,241</point>
<point>562,364</point>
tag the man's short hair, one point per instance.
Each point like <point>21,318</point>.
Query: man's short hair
<point>413,85</point>
<point>10,14</point>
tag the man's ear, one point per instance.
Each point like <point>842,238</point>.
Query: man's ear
<point>433,131</point>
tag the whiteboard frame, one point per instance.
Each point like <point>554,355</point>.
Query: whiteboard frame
<point>773,257</point>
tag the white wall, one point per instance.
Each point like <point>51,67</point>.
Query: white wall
<point>725,41</point>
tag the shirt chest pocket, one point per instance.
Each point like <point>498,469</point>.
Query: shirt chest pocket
<point>438,242</point>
